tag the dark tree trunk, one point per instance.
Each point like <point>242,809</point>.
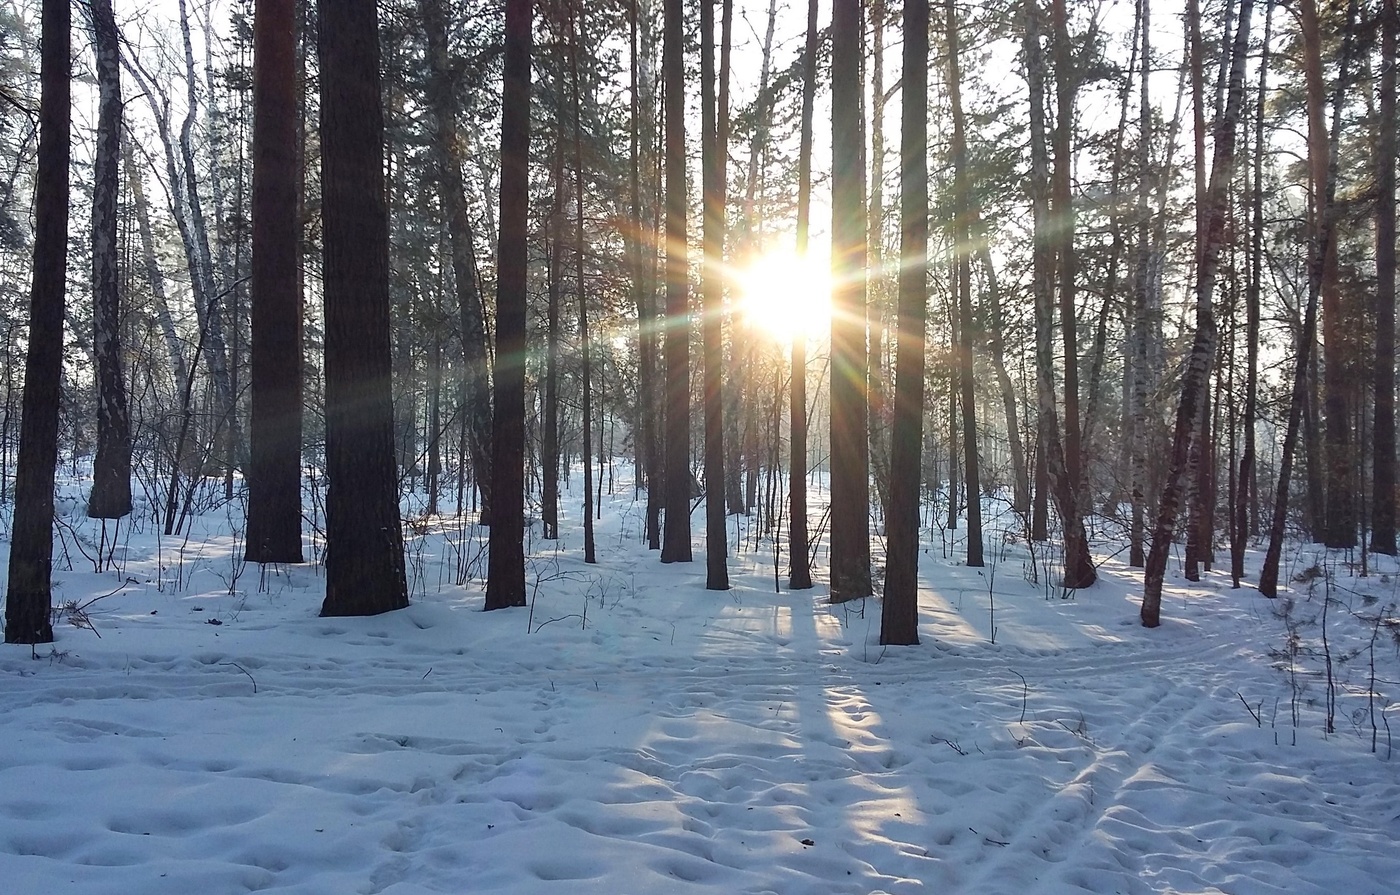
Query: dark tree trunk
<point>676,543</point>
<point>274,469</point>
<point>580,249</point>
<point>643,294</point>
<point>1241,523</point>
<point>1339,524</point>
<point>28,601</point>
<point>549,439</point>
<point>962,252</point>
<point>1141,313</point>
<point>505,573</point>
<point>712,292</point>
<point>1079,568</point>
<point>364,538</point>
<point>850,446</point>
<point>1196,376</point>
<point>1383,431</point>
<point>800,571</point>
<point>111,467</point>
<point>899,621</point>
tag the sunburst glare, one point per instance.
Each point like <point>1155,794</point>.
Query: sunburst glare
<point>786,296</point>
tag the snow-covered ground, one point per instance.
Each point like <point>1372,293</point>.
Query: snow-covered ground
<point>201,730</point>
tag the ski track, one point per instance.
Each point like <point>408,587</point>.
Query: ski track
<point>761,743</point>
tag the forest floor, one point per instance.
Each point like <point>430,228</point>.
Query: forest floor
<point>196,728</point>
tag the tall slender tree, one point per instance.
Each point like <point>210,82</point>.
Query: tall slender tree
<point>899,622</point>
<point>475,396</point>
<point>576,14</point>
<point>850,448</point>
<point>800,567</point>
<point>675,546</point>
<point>505,571</point>
<point>1383,426</point>
<point>962,260</point>
<point>111,466</point>
<point>1079,568</point>
<point>28,600</point>
<point>364,538</point>
<point>274,469</point>
<point>712,291</point>
<point>1196,376</point>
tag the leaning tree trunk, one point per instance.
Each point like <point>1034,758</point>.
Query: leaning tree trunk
<point>1197,372</point>
<point>111,467</point>
<point>28,601</point>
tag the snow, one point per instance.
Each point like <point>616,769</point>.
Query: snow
<point>201,730</point>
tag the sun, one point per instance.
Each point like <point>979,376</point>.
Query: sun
<point>785,296</point>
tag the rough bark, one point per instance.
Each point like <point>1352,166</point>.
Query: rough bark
<point>1079,569</point>
<point>899,621</point>
<point>111,467</point>
<point>28,600</point>
<point>364,540</point>
<point>712,297</point>
<point>274,470</point>
<point>850,447</point>
<point>675,545</point>
<point>800,571</point>
<point>1383,426</point>
<point>505,573</point>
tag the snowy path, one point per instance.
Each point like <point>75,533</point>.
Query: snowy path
<point>683,741</point>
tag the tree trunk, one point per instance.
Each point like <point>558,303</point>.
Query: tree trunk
<point>1383,427</point>
<point>712,291</point>
<point>580,247</point>
<point>962,252</point>
<point>850,447</point>
<point>676,543</point>
<point>28,602</point>
<point>505,574</point>
<point>554,254</point>
<point>111,467</point>
<point>1079,568</point>
<point>899,621</point>
<point>476,381</point>
<point>879,277</point>
<point>364,540</point>
<point>642,287</point>
<point>274,470</point>
<point>1339,523</point>
<point>1241,523</point>
<point>800,571</point>
<point>1197,373</point>
<point>1141,320</point>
